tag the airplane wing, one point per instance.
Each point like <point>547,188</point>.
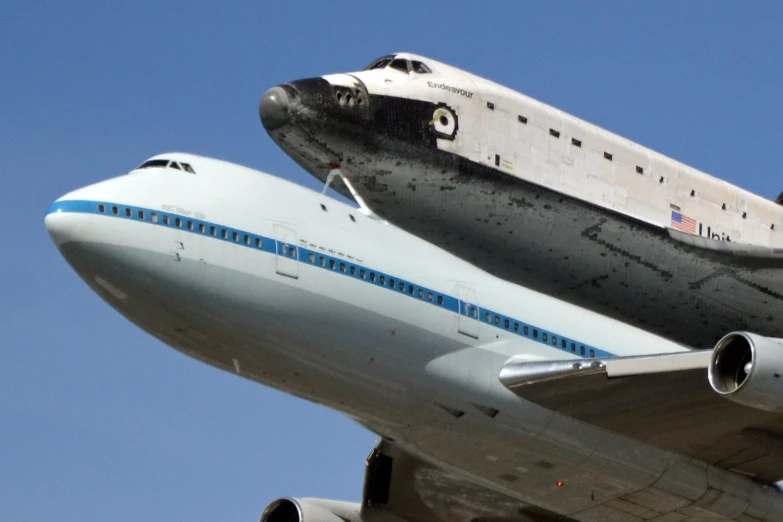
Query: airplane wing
<point>665,401</point>
<point>403,485</point>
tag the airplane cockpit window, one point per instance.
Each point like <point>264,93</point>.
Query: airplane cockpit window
<point>380,63</point>
<point>164,163</point>
<point>421,68</point>
<point>400,65</point>
<point>153,163</point>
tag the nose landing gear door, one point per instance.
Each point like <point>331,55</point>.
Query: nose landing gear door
<point>287,252</point>
<point>467,320</point>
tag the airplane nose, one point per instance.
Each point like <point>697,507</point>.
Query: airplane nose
<point>61,226</point>
<point>275,109</point>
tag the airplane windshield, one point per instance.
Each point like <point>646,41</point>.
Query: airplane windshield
<point>164,163</point>
<point>153,163</point>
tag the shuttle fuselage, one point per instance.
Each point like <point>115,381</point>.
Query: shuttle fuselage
<point>541,198</point>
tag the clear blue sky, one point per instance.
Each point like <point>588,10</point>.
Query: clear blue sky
<point>98,421</point>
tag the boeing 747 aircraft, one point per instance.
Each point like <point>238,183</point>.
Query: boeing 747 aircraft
<point>492,401</point>
<point>539,197</point>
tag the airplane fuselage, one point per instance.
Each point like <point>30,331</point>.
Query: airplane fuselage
<point>541,198</point>
<point>291,289</point>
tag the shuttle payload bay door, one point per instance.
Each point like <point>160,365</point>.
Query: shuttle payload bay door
<point>467,320</point>
<point>287,254</point>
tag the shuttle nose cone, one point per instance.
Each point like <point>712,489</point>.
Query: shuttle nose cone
<point>275,109</point>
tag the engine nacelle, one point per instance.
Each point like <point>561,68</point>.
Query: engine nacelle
<point>748,369</point>
<point>311,510</point>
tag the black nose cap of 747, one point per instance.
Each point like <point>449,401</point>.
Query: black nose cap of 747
<point>275,109</point>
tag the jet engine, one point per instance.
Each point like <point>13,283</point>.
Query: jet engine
<point>748,369</point>
<point>311,510</point>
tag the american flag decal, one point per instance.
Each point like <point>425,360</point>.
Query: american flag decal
<point>683,223</point>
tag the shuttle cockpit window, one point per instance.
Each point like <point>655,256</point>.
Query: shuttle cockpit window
<point>400,65</point>
<point>419,67</point>
<point>380,63</point>
<point>174,165</point>
<point>187,168</point>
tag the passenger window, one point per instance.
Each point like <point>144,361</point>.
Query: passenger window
<point>410,289</point>
<point>516,327</point>
<point>166,219</point>
<point>554,341</point>
<point>353,270</point>
<point>322,261</point>
<point>235,235</point>
<point>362,274</point>
<point>402,286</point>
<point>497,319</point>
<point>212,230</point>
<point>535,333</point>
<point>544,336</point>
<point>292,252</point>
<point>153,216</point>
<point>247,239</point>
<point>342,267</point>
<point>224,233</point>
<point>115,210</point>
<point>582,349</point>
<point>372,277</point>
<point>128,212</point>
<point>259,243</point>
<point>332,264</point>
<point>202,228</point>
<point>421,293</point>
<point>141,215</point>
<point>101,209</point>
<point>429,296</point>
<point>506,324</point>
<point>383,280</point>
<point>526,330</point>
<point>392,284</point>
<point>190,225</point>
<point>488,317</point>
<point>311,257</point>
<point>178,222</point>
<point>440,299</point>
<point>563,343</point>
<point>573,347</point>
<point>592,353</point>
<point>400,65</point>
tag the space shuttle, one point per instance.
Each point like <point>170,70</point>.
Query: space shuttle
<point>539,197</point>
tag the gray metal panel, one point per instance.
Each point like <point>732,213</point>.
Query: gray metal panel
<point>420,492</point>
<point>676,411</point>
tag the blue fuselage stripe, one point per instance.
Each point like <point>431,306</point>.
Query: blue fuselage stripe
<point>333,264</point>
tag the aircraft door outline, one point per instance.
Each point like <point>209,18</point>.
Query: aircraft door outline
<point>467,318</point>
<point>286,252</point>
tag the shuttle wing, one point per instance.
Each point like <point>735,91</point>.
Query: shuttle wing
<point>415,491</point>
<point>663,400</point>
